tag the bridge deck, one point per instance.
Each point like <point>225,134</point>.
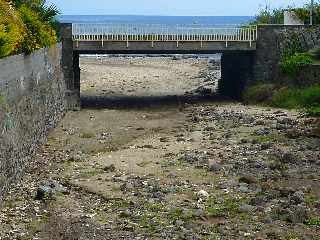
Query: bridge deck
<point>154,38</point>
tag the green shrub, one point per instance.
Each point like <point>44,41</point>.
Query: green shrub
<point>26,25</point>
<point>286,98</point>
<point>268,15</point>
<point>291,65</point>
<point>39,34</point>
<point>260,93</point>
<point>306,98</point>
<point>12,30</point>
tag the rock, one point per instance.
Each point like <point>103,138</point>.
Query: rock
<point>202,195</point>
<point>266,145</point>
<point>110,168</point>
<point>125,214</point>
<point>215,167</point>
<point>293,133</point>
<point>244,188</point>
<point>285,192</point>
<point>249,179</point>
<point>176,57</point>
<point>280,126</point>
<point>49,189</point>
<point>199,213</point>
<point>257,201</point>
<point>298,214</point>
<point>245,208</point>
<point>262,132</point>
<point>297,197</point>
<point>317,205</point>
<point>259,122</point>
<point>179,222</point>
<point>287,157</point>
<point>76,158</point>
<point>197,157</point>
<point>244,140</point>
<point>203,90</point>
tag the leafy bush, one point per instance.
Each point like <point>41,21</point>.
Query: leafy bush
<point>12,30</point>
<point>26,25</point>
<point>268,15</point>
<point>291,65</point>
<point>306,98</point>
<point>39,33</point>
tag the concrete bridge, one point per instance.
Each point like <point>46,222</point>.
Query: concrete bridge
<point>144,38</point>
<point>249,53</point>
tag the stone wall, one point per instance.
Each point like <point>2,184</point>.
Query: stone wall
<point>32,101</point>
<point>274,41</point>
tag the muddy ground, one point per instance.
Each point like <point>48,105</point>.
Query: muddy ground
<point>154,154</point>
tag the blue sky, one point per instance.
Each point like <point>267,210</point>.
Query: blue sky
<point>170,7</point>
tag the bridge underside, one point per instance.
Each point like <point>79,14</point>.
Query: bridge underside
<point>237,58</point>
<point>236,71</point>
<point>169,47</point>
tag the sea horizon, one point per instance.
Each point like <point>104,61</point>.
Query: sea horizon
<point>155,19</point>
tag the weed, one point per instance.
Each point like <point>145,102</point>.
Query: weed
<point>313,221</point>
<point>87,135</point>
<point>291,65</point>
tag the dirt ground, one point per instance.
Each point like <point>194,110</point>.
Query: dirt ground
<point>154,155</point>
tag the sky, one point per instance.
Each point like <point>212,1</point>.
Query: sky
<point>170,7</point>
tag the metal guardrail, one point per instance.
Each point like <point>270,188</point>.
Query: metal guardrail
<point>163,33</point>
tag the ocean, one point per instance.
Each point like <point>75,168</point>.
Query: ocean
<point>162,20</point>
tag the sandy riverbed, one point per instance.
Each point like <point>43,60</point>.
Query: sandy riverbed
<point>181,167</point>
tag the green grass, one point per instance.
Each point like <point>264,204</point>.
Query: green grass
<point>87,135</point>
<point>306,98</point>
<point>260,93</point>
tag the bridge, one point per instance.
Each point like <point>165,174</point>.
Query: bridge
<point>249,53</point>
<point>106,38</point>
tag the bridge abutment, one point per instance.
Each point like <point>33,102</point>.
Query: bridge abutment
<point>70,66</point>
<point>236,73</point>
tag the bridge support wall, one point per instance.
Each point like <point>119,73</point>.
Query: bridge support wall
<point>70,66</point>
<point>236,72</point>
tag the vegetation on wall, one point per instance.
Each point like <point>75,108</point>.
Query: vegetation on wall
<point>293,64</point>
<point>269,15</point>
<point>26,25</point>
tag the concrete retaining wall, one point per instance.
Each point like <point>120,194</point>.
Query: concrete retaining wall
<point>32,101</point>
<point>274,41</point>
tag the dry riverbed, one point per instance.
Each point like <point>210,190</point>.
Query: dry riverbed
<point>148,157</point>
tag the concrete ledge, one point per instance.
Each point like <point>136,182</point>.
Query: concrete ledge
<point>161,47</point>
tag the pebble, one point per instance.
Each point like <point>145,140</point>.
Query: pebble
<point>203,194</point>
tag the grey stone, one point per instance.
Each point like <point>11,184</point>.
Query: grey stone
<point>215,167</point>
<point>245,208</point>
<point>244,189</point>
<point>298,214</point>
<point>298,197</point>
<point>49,189</point>
<point>110,168</point>
<point>199,213</point>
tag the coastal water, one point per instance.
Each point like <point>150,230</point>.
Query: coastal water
<point>163,20</point>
